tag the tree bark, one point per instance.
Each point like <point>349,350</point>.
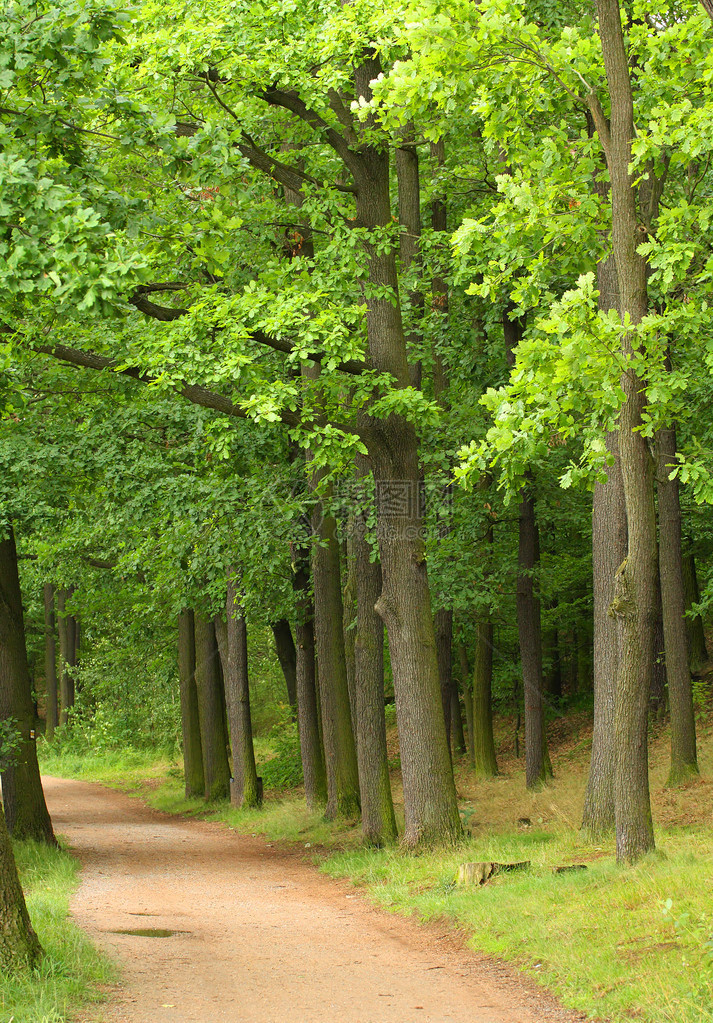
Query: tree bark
<point>190,721</point>
<point>339,746</point>
<point>67,655</point>
<point>287,656</point>
<point>245,789</point>
<point>467,699</point>
<point>211,712</point>
<point>484,759</point>
<point>377,808</point>
<point>657,692</point>
<point>19,947</point>
<point>25,808</point>
<point>684,759</point>
<point>609,543</point>
<point>537,769</point>
<point>635,588</point>
<point>696,635</point>
<point>311,752</point>
<point>457,733</point>
<point>51,705</point>
<point>349,622</point>
<point>443,629</point>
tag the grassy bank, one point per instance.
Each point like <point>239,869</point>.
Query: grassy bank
<point>618,944</point>
<point>72,971</point>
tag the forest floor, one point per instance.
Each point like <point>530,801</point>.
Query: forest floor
<point>246,930</point>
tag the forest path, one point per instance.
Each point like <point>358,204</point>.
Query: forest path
<point>260,935</point>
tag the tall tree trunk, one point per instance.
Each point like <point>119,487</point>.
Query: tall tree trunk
<point>443,629</point>
<point>609,543</point>
<point>457,721</point>
<point>657,692</point>
<point>19,947</point>
<point>635,586</point>
<point>684,760</point>
<point>313,769</point>
<point>537,769</point>
<point>409,200</point>
<point>190,721</point>
<point>246,790</point>
<point>67,655</point>
<point>696,636</point>
<point>430,806</point>
<point>339,746</point>
<point>484,759</point>
<point>287,656</point>
<point>467,699</point>
<point>349,593</point>
<point>51,705</point>
<point>211,712</point>
<point>529,626</point>
<point>25,808</point>
<point>377,808</point>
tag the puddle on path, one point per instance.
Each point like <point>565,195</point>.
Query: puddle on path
<point>148,932</point>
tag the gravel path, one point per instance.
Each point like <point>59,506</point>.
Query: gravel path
<point>259,936</point>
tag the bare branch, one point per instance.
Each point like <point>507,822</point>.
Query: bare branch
<point>192,392</point>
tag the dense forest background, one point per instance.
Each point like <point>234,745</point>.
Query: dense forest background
<point>355,358</point>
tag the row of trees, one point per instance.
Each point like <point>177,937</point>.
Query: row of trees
<point>409,246</point>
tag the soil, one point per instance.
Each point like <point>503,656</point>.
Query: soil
<point>207,925</point>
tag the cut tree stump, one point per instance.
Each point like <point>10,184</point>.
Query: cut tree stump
<point>479,873</point>
<point>569,868</point>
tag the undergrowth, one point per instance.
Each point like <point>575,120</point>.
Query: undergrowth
<point>72,971</point>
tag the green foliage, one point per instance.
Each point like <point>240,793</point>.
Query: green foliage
<point>283,769</point>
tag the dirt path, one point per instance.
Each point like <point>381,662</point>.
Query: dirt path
<point>259,935</point>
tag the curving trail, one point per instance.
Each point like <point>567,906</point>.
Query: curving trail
<point>259,935</point>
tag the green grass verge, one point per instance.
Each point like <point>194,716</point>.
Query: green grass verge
<point>618,944</point>
<point>72,971</point>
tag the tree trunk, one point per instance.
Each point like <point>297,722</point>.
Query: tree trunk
<point>467,699</point>
<point>696,635</point>
<point>457,721</point>
<point>430,806</point>
<point>537,769</point>
<point>684,760</point>
<point>25,808</point>
<point>443,629</point>
<point>245,790</point>
<point>609,542</point>
<point>190,721</point>
<point>211,713</point>
<point>377,808</point>
<point>313,770</point>
<point>635,587</point>
<point>339,746</point>
<point>19,947</point>
<point>51,705</point>
<point>484,759</point>
<point>349,623</point>
<point>67,655</point>
<point>287,656</point>
<point>657,692</point>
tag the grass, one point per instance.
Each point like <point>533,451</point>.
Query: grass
<point>617,944</point>
<point>72,971</point>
